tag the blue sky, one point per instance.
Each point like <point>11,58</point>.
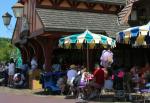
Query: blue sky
<point>5,6</point>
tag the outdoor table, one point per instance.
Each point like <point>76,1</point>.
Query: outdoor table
<point>146,94</point>
<point>145,90</point>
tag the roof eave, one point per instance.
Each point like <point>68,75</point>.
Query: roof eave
<point>47,29</point>
<point>106,2</point>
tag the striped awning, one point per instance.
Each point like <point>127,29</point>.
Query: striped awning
<point>86,37</point>
<point>139,35</point>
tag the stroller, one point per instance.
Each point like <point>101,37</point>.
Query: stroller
<point>48,83</point>
<point>19,80</point>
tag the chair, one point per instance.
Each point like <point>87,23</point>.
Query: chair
<point>146,95</point>
<point>119,94</point>
<point>71,90</point>
<point>80,98</point>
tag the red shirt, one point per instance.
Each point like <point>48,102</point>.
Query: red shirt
<point>99,76</point>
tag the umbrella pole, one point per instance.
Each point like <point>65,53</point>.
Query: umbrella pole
<point>87,56</point>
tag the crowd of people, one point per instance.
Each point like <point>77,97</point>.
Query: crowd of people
<point>13,76</point>
<point>105,76</point>
<point>92,82</point>
<point>76,78</point>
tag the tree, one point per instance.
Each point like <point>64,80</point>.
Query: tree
<point>7,50</point>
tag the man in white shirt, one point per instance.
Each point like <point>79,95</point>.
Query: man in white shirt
<point>11,72</point>
<point>34,64</point>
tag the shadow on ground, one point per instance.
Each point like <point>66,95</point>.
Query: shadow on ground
<point>107,99</point>
<point>103,98</point>
<point>45,93</point>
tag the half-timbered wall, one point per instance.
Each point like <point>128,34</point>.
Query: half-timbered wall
<point>30,13</point>
<point>81,6</point>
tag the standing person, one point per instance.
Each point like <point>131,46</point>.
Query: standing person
<point>11,72</point>
<point>34,63</point>
<point>6,73</point>
<point>106,58</point>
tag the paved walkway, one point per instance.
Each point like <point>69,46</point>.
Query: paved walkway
<point>10,95</point>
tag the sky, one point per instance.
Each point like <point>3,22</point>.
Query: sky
<point>5,6</point>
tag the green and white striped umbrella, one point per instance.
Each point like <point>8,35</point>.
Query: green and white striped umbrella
<point>86,37</point>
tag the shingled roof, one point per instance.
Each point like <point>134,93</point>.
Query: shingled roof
<point>76,21</point>
<point>119,2</point>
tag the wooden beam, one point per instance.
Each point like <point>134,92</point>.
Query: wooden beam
<point>70,3</point>
<point>91,5</point>
<point>40,1</point>
<point>75,4</point>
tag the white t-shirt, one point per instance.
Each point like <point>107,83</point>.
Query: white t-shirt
<point>106,58</point>
<point>6,67</point>
<point>33,64</point>
<point>11,69</point>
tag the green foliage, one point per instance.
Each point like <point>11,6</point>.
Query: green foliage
<point>7,50</point>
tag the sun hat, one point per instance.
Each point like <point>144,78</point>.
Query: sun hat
<point>72,66</point>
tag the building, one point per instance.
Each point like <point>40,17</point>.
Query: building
<point>136,12</point>
<point>45,21</point>
<point>140,14</point>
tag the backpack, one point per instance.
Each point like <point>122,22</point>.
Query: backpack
<point>76,80</point>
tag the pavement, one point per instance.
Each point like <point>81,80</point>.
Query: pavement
<point>11,95</point>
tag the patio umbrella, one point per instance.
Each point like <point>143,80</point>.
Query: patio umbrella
<point>88,38</point>
<point>136,36</point>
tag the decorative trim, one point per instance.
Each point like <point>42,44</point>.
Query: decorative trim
<point>77,9</point>
<point>74,6</point>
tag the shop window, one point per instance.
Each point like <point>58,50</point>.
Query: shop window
<point>142,16</point>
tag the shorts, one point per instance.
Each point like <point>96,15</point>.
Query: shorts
<point>70,82</point>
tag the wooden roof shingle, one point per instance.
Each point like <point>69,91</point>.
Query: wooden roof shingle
<point>76,21</point>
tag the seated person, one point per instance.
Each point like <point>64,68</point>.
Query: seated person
<point>19,80</point>
<point>84,77</point>
<point>71,74</point>
<point>98,77</point>
<point>61,83</point>
<point>56,67</point>
<point>97,82</point>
